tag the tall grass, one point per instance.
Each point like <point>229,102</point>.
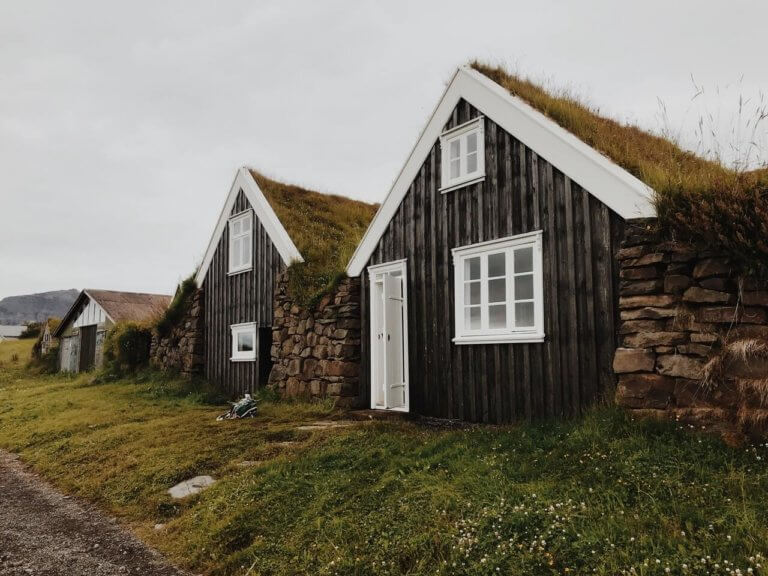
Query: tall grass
<point>698,199</point>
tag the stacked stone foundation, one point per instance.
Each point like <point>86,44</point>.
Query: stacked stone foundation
<point>316,350</point>
<point>182,350</point>
<point>682,310</point>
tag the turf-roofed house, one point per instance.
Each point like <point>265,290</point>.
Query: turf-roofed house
<point>489,276</point>
<point>277,253</point>
<point>83,329</point>
<point>533,257</point>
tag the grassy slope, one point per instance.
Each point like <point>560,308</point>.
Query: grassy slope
<point>600,494</point>
<point>657,161</point>
<point>326,229</point>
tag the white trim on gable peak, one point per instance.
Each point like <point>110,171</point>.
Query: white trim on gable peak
<point>266,215</point>
<point>596,173</point>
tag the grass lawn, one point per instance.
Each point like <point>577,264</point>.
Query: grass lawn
<point>601,495</point>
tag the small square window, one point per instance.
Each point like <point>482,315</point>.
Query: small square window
<point>463,155</point>
<point>244,342</point>
<point>240,242</point>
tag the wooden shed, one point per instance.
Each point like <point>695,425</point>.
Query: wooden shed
<point>83,329</point>
<point>488,274</point>
<point>264,227</point>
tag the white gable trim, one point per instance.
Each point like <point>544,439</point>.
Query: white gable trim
<point>601,177</point>
<point>93,313</point>
<point>244,181</point>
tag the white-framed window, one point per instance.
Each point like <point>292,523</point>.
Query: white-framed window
<point>243,342</point>
<point>463,155</point>
<point>499,291</point>
<point>241,242</point>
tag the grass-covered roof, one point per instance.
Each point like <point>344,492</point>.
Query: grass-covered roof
<point>697,199</point>
<point>326,228</point>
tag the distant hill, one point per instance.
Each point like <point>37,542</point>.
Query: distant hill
<point>36,307</point>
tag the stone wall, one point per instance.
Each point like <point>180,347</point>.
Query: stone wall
<point>182,350</point>
<point>316,352</point>
<point>682,310</point>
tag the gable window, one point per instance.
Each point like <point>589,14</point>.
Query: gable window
<point>499,292</point>
<point>463,155</point>
<point>240,242</point>
<point>244,342</point>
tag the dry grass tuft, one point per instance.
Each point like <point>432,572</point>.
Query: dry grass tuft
<point>325,228</point>
<point>744,363</point>
<point>757,388</point>
<point>746,360</point>
<point>747,349</point>
<point>753,419</point>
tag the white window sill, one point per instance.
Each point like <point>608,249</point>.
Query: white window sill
<point>457,185</point>
<point>253,359</point>
<point>519,338</point>
<point>239,271</point>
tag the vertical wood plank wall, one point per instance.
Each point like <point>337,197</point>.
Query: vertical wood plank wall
<point>522,192</point>
<point>244,297</point>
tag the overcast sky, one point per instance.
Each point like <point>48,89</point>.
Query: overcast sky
<point>122,124</point>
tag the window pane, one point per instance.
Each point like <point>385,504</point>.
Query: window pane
<point>472,293</point>
<point>524,314</point>
<point>455,148</point>
<point>246,250</point>
<point>496,264</point>
<point>246,224</point>
<point>524,287</point>
<point>472,142</point>
<point>523,260</point>
<point>236,227</point>
<point>497,290</point>
<point>497,316</point>
<point>236,252</point>
<point>472,268</point>
<point>455,168</point>
<point>472,163</point>
<point>245,342</point>
<point>472,318</point>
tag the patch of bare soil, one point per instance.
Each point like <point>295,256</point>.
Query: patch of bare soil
<point>44,533</point>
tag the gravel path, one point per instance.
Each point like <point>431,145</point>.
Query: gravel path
<point>42,532</point>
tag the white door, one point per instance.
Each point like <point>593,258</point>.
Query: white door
<point>389,337</point>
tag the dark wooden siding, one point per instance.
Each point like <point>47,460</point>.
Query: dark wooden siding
<point>244,297</point>
<point>522,192</point>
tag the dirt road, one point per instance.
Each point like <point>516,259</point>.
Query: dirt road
<point>44,533</point>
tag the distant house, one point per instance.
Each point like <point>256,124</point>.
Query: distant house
<point>10,332</point>
<point>47,341</point>
<point>489,279</point>
<point>82,330</point>
<point>264,227</point>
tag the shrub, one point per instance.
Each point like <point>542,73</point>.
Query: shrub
<point>178,308</point>
<point>126,348</point>
<point>48,363</point>
<point>31,331</point>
